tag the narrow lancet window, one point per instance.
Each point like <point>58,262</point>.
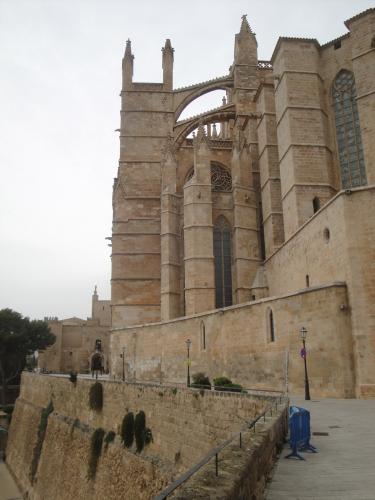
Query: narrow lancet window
<point>348,131</point>
<point>223,263</point>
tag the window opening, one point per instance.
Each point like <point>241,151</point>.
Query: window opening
<point>203,336</point>
<point>272,327</point>
<point>316,204</point>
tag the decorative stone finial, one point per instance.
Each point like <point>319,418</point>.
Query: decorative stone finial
<point>168,45</point>
<point>201,135</point>
<point>128,49</point>
<point>245,27</point>
<point>96,290</point>
<point>214,131</point>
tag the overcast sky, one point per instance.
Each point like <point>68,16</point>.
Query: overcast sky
<point>60,77</point>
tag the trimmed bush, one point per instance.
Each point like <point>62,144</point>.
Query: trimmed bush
<point>139,430</point>
<point>127,430</point>
<point>73,377</point>
<point>96,396</point>
<point>201,381</point>
<point>225,384</point>
<point>96,445</point>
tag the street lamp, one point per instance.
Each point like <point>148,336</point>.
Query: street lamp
<point>188,344</point>
<point>303,334</point>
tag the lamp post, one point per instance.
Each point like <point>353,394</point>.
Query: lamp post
<point>188,344</point>
<point>303,333</point>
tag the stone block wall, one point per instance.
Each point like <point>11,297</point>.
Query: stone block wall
<point>338,243</point>
<point>185,425</point>
<point>236,342</point>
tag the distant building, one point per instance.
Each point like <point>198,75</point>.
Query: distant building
<point>77,340</point>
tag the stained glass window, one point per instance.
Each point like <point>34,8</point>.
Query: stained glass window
<point>348,132</point>
<point>223,263</point>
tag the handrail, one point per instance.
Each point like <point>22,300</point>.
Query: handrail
<point>215,452</point>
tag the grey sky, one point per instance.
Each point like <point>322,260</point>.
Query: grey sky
<point>60,67</point>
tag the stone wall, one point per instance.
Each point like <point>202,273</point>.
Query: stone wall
<point>242,471</point>
<point>185,425</point>
<point>338,243</point>
<point>236,342</point>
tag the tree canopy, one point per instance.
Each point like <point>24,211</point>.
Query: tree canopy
<point>19,336</point>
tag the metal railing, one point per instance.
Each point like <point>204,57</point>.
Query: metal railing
<point>215,452</point>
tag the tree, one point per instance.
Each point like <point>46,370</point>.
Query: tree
<point>19,337</point>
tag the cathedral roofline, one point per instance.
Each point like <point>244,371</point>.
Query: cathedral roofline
<point>338,39</point>
<point>357,16</point>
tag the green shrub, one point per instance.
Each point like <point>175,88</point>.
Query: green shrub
<point>174,391</point>
<point>96,396</point>
<point>40,439</point>
<point>201,381</point>
<point>96,445</point>
<point>127,429</point>
<point>139,430</point>
<point>44,418</point>
<point>73,377</point>
<point>225,384</point>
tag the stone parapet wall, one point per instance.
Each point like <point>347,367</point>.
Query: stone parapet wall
<point>185,425</point>
<point>242,471</point>
<point>236,342</point>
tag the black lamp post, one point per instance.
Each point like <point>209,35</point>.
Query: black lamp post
<point>303,333</point>
<point>188,344</point>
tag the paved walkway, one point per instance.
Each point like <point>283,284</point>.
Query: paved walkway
<point>8,488</point>
<point>344,467</point>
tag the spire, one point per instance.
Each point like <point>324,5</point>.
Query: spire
<point>167,51</point>
<point>127,65</point>
<point>245,26</point>
<point>96,290</point>
<point>128,50</point>
<point>201,136</point>
<point>168,46</point>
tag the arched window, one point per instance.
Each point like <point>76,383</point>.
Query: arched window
<point>349,143</point>
<point>316,204</point>
<point>223,263</point>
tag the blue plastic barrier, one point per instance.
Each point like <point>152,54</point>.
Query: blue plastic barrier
<point>300,434</point>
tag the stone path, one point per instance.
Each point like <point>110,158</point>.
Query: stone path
<point>8,488</point>
<point>344,467</point>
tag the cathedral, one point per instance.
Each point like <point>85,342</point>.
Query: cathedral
<point>236,229</point>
